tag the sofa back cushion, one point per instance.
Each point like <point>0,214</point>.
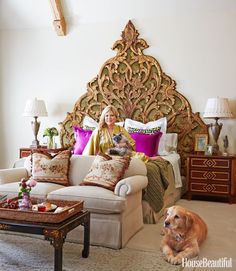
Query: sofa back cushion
<point>80,165</point>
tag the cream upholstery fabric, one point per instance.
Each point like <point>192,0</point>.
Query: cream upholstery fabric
<point>40,190</point>
<point>115,216</point>
<point>11,175</point>
<point>96,199</point>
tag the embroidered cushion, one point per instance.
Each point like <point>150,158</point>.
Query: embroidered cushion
<point>48,168</point>
<point>147,143</point>
<point>106,171</point>
<point>81,139</point>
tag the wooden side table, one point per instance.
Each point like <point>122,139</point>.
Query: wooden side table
<point>212,176</point>
<point>24,152</point>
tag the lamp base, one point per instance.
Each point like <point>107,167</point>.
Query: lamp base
<point>35,144</point>
<point>215,130</point>
<point>215,150</point>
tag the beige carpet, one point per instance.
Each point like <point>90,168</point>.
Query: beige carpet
<point>221,241</point>
<point>19,253</point>
<point>141,253</point>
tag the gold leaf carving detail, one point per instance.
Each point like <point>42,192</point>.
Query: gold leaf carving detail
<point>136,85</point>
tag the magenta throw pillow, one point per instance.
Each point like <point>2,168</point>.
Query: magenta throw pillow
<point>82,137</point>
<point>147,143</point>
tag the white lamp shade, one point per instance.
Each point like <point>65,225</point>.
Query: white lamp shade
<point>35,108</point>
<point>217,108</point>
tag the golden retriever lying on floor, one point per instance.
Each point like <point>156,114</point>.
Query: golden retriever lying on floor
<point>183,233</point>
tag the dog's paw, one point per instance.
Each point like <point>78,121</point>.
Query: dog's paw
<point>173,259</point>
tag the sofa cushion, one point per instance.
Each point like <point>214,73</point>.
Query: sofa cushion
<point>48,168</point>
<point>96,199</point>
<point>40,190</point>
<point>106,171</point>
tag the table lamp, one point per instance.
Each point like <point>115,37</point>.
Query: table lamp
<point>217,108</point>
<point>35,108</point>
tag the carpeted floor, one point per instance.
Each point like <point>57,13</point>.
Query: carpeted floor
<point>19,253</point>
<point>221,239</point>
<point>142,252</point>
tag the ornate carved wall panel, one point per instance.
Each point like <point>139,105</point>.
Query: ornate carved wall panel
<point>140,90</point>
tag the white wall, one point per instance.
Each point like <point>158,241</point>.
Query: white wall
<point>194,41</point>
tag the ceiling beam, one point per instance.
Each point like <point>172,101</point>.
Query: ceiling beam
<point>59,22</point>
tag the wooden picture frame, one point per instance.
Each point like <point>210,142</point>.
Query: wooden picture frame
<point>201,141</point>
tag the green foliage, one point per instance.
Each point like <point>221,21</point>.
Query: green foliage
<point>51,132</point>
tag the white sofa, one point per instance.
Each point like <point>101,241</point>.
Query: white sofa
<point>115,216</point>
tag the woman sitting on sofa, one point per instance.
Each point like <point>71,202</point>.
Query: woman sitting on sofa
<point>101,138</point>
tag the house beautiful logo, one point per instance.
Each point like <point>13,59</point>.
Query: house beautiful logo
<point>223,262</point>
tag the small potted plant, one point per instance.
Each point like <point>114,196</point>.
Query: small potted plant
<point>50,132</point>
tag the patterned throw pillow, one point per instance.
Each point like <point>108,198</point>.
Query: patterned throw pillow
<point>53,169</point>
<point>106,171</point>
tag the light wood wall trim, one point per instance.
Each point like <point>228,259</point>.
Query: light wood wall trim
<point>59,22</point>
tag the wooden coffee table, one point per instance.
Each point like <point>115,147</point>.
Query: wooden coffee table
<point>53,232</point>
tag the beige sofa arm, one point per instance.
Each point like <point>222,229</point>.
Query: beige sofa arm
<point>12,175</point>
<point>130,185</point>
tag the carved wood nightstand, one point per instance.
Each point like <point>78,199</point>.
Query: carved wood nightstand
<point>24,152</point>
<point>212,176</point>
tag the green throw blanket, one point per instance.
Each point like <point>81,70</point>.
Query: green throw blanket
<point>157,174</point>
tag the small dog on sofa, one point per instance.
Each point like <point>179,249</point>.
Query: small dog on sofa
<point>183,232</point>
<point>120,139</point>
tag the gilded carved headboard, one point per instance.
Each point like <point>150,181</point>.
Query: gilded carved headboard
<point>136,85</point>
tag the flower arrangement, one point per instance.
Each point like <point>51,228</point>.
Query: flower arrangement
<point>50,132</point>
<point>26,186</point>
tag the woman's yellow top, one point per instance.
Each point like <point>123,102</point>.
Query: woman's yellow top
<point>101,141</point>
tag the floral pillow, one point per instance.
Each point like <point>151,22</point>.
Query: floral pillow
<point>106,171</point>
<point>48,168</point>
<point>81,139</point>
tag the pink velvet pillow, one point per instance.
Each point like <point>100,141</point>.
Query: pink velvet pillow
<point>147,143</point>
<point>82,137</point>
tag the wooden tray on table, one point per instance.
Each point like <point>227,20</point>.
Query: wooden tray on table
<point>72,208</point>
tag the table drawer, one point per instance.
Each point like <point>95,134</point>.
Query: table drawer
<point>25,153</point>
<point>213,188</point>
<point>223,176</point>
<point>216,163</point>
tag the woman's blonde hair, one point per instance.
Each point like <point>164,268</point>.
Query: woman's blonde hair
<point>108,108</point>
